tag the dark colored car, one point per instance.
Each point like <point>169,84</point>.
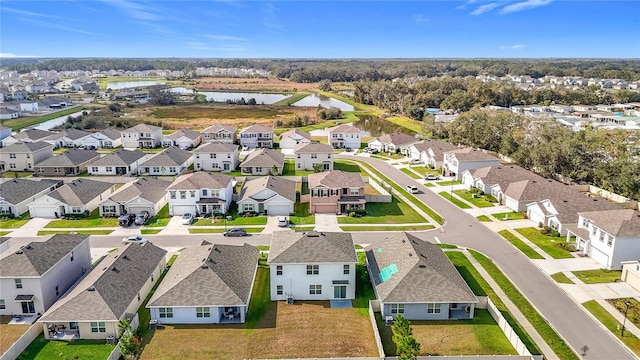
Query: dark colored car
<point>235,232</point>
<point>142,218</point>
<point>126,219</point>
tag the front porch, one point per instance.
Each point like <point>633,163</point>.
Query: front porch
<point>582,242</point>
<point>351,203</point>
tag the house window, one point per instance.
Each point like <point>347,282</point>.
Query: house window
<point>247,207</point>
<point>172,194</point>
<point>325,192</point>
<point>593,230</point>
<point>76,209</point>
<point>215,193</point>
<point>278,269</point>
<point>192,193</point>
<point>313,269</point>
<point>12,166</point>
<point>2,306</point>
<point>228,156</point>
<point>279,290</point>
<point>355,191</point>
<point>156,169</point>
<point>299,166</point>
<point>397,308</point>
<point>172,169</point>
<point>346,269</point>
<point>40,170</point>
<point>314,156</point>
<point>12,156</point>
<point>18,283</point>
<point>203,312</point>
<point>57,291</point>
<point>5,210</point>
<point>98,326</point>
<point>93,169</point>
<point>601,236</point>
<point>258,169</point>
<point>205,192</point>
<point>183,194</point>
<point>56,170</point>
<point>433,308</point>
<point>111,209</point>
<point>165,313</point>
<point>609,241</point>
<point>197,156</point>
<point>138,296</point>
<point>585,223</point>
<point>315,289</point>
<point>314,192</point>
<point>214,166</point>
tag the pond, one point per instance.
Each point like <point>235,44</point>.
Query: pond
<point>374,126</point>
<point>223,96</point>
<point>117,85</point>
<point>324,101</point>
<point>50,124</point>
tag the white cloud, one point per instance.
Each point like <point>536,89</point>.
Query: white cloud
<point>135,10</point>
<point>512,47</point>
<point>12,55</point>
<point>484,8</point>
<point>420,18</point>
<point>524,5</point>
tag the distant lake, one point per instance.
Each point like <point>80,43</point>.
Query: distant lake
<point>223,96</point>
<point>374,126</point>
<point>324,101</point>
<point>117,85</point>
<point>50,124</point>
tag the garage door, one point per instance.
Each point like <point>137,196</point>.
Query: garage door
<point>599,256</point>
<point>138,209</point>
<point>183,209</point>
<point>43,211</point>
<point>278,210</point>
<point>327,208</point>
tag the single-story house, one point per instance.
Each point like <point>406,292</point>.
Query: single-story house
<point>17,194</point>
<point>269,194</point>
<point>76,197</point>
<point>120,162</point>
<point>184,139</point>
<point>144,194</point>
<point>290,139</point>
<point>393,143</point>
<point>27,135</point>
<point>263,162</point>
<point>430,151</point>
<point>104,139</point>
<point>171,161</point>
<point>70,163</point>
<point>69,138</point>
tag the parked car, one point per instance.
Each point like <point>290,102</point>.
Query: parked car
<point>126,219</point>
<point>142,218</point>
<point>415,161</point>
<point>283,221</point>
<point>365,150</point>
<point>134,240</point>
<point>412,189</point>
<point>235,232</point>
<point>348,149</point>
<point>187,219</point>
<point>432,177</point>
<point>245,148</point>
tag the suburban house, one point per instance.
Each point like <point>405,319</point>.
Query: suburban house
<point>416,279</point>
<point>455,162</point>
<point>23,156</point>
<point>27,135</point>
<point>300,271</point>
<point>220,133</point>
<point>630,273</point>
<point>141,136</point>
<point>216,156</point>
<point>257,136</point>
<point>207,284</point>
<point>200,192</point>
<point>171,161</point>
<point>104,139</point>
<point>5,243</point>
<point>269,194</point>
<point>76,197</point>
<point>6,114</point>
<point>344,136</point>
<point>70,163</point>
<point>430,151</point>
<point>392,143</point>
<point>144,194</point>
<point>610,237</point>
<point>519,194</point>
<point>120,162</point>
<point>69,138</point>
<point>110,292</point>
<point>34,276</point>
<point>290,139</point>
<point>336,192</point>
<point>17,194</point>
<point>310,155</point>
<point>184,139</point>
<point>263,162</point>
<point>495,180</point>
<point>5,132</point>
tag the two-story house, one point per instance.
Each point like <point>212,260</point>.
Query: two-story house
<point>392,143</point>
<point>70,163</point>
<point>23,156</point>
<point>76,197</point>
<point>292,138</point>
<point>36,275</point>
<point>17,194</point>
<point>171,161</point>
<point>269,194</point>
<point>216,156</point>
<point>344,136</point>
<point>141,136</point>
<point>145,194</point>
<point>257,136</point>
<point>308,156</point>
<point>300,272</point>
<point>336,192</point>
<point>104,139</point>
<point>200,193</point>
<point>430,151</point>
<point>455,162</point>
<point>263,162</point>
<point>220,133</point>
<point>184,139</point>
<point>120,162</point>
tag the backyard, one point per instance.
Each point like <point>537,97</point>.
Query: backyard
<point>395,212</point>
<point>10,333</point>
<point>548,244</point>
<point>43,349</point>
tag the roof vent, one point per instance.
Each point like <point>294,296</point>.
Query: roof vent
<point>564,201</point>
<point>204,266</point>
<point>422,266</point>
<point>410,254</point>
<point>125,257</point>
<point>533,181</point>
<point>217,250</point>
<point>28,247</point>
<point>404,241</point>
<point>19,252</point>
<point>115,269</point>
<point>91,288</point>
<point>212,261</point>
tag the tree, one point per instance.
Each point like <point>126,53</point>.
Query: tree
<point>129,344</point>
<point>161,96</point>
<point>407,347</point>
<point>318,168</point>
<point>324,85</point>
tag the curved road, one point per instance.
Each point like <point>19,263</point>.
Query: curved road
<point>567,317</point>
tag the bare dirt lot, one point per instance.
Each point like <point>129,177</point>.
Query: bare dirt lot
<point>257,84</point>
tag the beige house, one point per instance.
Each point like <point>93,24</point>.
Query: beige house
<point>22,156</point>
<point>220,133</point>
<point>336,192</point>
<point>263,162</point>
<point>216,156</point>
<point>308,155</point>
<point>142,136</point>
<point>292,138</point>
<point>257,136</point>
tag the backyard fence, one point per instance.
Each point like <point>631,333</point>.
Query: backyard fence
<point>115,354</point>
<point>384,197</point>
<point>508,331</point>
<point>18,347</point>
<point>376,332</point>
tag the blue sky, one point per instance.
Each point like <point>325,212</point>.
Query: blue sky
<point>315,29</point>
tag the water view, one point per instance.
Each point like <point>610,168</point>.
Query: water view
<point>324,101</point>
<point>374,126</point>
<point>117,85</point>
<point>221,96</point>
<point>50,124</point>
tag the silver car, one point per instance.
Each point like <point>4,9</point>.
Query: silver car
<point>135,240</point>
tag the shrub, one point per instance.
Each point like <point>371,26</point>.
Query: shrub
<point>566,246</point>
<point>248,214</point>
<point>491,198</point>
<point>546,230</point>
<point>7,216</point>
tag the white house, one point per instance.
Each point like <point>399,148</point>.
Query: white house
<point>120,162</point>
<point>455,162</point>
<point>220,133</point>
<point>495,180</point>
<point>393,143</point>
<point>17,194</point>
<point>23,156</point>
<point>430,151</point>
<point>110,292</point>
<point>200,192</point>
<point>263,162</point>
<point>5,132</point>
<point>269,194</point>
<point>36,275</point>
<point>145,194</point>
<point>103,139</point>
<point>216,156</point>
<point>415,278</point>
<point>344,136</point>
<point>69,138</point>
<point>207,284</point>
<point>76,197</point>
<point>27,135</point>
<point>257,136</point>
<point>290,139</point>
<point>300,272</point>
<point>308,155</point>
<point>184,139</point>
<point>610,237</point>
<point>141,136</point>
<point>171,161</point>
<point>6,114</point>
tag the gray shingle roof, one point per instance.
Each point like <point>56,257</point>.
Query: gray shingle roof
<point>285,188</point>
<point>216,148</point>
<point>146,188</point>
<point>17,190</point>
<point>220,127</point>
<point>119,158</point>
<point>26,147</point>
<point>36,258</point>
<point>75,134</point>
<point>209,275</point>
<point>424,273</point>
<point>344,128</point>
<point>265,158</point>
<point>336,179</point>
<point>569,202</point>
<point>313,148</point>
<point>80,191</point>
<point>295,134</point>
<point>142,128</point>
<point>291,247</point>
<point>397,139</point>
<point>105,293</point>
<point>172,156</point>
<point>201,180</point>
<point>619,223</point>
<point>504,175</point>
<point>258,129</point>
<point>184,132</point>
<point>71,157</point>
<point>471,154</point>
<point>438,147</point>
<point>32,134</point>
<point>111,133</point>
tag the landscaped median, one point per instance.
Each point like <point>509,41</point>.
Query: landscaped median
<point>521,245</point>
<point>457,202</point>
<point>554,246</point>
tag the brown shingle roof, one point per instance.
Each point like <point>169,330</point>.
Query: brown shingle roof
<point>619,223</point>
<point>265,158</point>
<point>257,128</point>
<point>313,148</point>
<point>344,128</point>
<point>335,179</point>
<point>285,188</point>
<point>201,180</point>
<point>311,247</point>
<point>471,154</point>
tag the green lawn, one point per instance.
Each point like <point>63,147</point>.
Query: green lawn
<point>17,174</point>
<point>43,349</point>
<point>92,221</point>
<point>162,218</point>
<point>149,231</point>
<point>633,312</point>
<point>513,215</point>
<point>220,230</point>
<point>292,99</point>
<point>387,228</point>
<point>612,324</point>
<point>302,216</point>
<point>14,223</point>
<point>546,243</point>
<point>459,203</point>
<point>479,200</point>
<point>561,278</point>
<point>144,314</point>
<point>598,276</point>
<point>22,122</point>
<point>85,232</point>
<point>3,233</point>
<point>260,297</point>
<point>484,218</point>
<point>395,212</point>
<point>448,182</point>
<point>290,169</point>
<point>428,184</point>
<point>240,220</point>
<point>524,248</point>
<point>421,169</point>
<point>410,173</point>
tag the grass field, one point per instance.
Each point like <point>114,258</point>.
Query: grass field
<point>238,220</point>
<point>254,84</point>
<point>346,165</point>
<point>608,321</point>
<point>459,203</point>
<point>598,276</point>
<point>395,212</point>
<point>93,221</point>
<point>25,121</point>
<point>521,245</point>
<point>43,349</point>
<point>479,201</point>
<point>448,182</point>
<point>546,243</point>
<point>85,232</point>
<point>387,228</point>
<point>302,216</point>
<point>149,231</point>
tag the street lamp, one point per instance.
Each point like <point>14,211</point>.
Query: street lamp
<point>626,303</point>
<point>451,193</point>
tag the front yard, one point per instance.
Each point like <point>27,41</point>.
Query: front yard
<point>14,223</point>
<point>43,349</point>
<point>548,244</point>
<point>92,221</point>
<point>237,220</point>
<point>302,216</point>
<point>395,212</point>
<point>513,215</point>
<point>598,276</point>
<point>476,199</point>
<point>459,203</point>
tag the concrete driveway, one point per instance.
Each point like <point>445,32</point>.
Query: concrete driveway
<point>327,222</point>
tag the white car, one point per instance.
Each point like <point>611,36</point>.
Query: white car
<point>134,240</point>
<point>187,219</point>
<point>283,221</point>
<point>412,189</point>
